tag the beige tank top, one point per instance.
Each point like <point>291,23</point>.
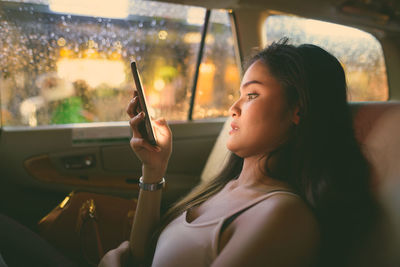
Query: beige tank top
<point>195,244</point>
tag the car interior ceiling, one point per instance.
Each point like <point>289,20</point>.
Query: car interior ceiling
<point>377,13</point>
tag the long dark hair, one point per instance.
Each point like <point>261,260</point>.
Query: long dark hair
<point>321,161</point>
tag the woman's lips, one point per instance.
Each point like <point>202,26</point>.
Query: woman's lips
<point>234,128</point>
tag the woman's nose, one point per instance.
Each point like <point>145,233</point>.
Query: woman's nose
<point>234,110</point>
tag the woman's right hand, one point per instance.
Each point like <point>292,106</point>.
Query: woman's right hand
<point>116,257</point>
<point>154,158</point>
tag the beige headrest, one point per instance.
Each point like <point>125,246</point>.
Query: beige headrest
<point>377,128</point>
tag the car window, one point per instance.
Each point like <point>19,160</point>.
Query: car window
<point>68,61</point>
<point>219,79</point>
<point>360,53</point>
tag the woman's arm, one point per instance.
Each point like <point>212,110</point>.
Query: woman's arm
<point>147,216</point>
<point>279,232</point>
<point>155,161</point>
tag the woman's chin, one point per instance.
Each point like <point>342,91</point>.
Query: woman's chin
<point>230,146</point>
<point>234,149</point>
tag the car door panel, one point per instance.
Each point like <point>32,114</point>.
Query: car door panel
<point>48,159</point>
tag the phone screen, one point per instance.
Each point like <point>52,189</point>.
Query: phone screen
<point>146,127</point>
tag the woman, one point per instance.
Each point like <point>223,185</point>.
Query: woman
<point>295,190</point>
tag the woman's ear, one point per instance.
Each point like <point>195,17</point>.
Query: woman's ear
<point>296,115</point>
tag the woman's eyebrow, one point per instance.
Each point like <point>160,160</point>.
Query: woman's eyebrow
<point>247,84</point>
<point>251,82</point>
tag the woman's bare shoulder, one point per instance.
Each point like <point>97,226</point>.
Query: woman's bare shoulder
<point>282,210</point>
<point>284,204</point>
<point>280,221</point>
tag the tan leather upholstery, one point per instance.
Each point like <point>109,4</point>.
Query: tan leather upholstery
<point>377,128</point>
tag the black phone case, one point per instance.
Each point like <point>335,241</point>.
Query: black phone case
<point>145,128</point>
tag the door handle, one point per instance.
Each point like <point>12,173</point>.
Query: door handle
<point>79,162</point>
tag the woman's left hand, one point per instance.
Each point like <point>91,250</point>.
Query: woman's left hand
<point>116,257</point>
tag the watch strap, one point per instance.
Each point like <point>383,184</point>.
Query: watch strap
<point>151,186</point>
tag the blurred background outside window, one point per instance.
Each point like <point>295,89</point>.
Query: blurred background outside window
<point>219,76</point>
<point>68,61</point>
<point>360,53</point>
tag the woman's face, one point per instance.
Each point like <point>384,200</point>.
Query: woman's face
<point>261,116</point>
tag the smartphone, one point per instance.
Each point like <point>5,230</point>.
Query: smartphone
<point>145,127</point>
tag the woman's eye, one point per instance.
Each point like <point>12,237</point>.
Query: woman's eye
<point>251,96</point>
